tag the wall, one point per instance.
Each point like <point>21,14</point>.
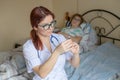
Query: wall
<point>62,6</point>
<point>111,5</point>
<point>14,20</point>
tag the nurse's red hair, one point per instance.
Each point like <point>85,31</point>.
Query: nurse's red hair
<point>36,16</point>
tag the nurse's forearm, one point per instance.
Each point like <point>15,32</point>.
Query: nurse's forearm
<point>47,67</point>
<point>75,60</point>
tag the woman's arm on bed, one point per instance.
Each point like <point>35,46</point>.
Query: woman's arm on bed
<point>76,39</point>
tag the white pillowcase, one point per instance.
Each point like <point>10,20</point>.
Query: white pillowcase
<point>4,56</point>
<point>7,70</point>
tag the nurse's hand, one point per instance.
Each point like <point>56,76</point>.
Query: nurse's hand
<point>75,48</point>
<point>64,46</point>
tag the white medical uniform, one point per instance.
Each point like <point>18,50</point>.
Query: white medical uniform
<point>35,57</point>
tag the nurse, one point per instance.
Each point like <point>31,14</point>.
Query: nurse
<point>46,52</point>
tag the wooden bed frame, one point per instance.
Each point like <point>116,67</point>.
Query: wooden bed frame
<point>100,14</point>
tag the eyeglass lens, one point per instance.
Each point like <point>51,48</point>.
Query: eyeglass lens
<point>76,19</point>
<point>47,26</point>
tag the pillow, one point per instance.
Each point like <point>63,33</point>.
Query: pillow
<point>19,61</point>
<point>7,70</point>
<point>4,56</point>
<point>19,49</point>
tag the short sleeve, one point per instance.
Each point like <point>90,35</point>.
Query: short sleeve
<point>31,56</point>
<point>63,30</point>
<point>66,30</point>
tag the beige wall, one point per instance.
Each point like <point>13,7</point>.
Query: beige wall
<point>110,5</point>
<point>62,6</point>
<point>14,20</point>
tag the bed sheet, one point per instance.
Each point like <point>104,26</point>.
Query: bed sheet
<point>12,66</point>
<point>102,63</point>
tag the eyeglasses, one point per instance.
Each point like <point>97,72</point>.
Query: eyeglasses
<point>48,26</point>
<point>76,19</point>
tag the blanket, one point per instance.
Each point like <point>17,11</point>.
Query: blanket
<point>103,63</point>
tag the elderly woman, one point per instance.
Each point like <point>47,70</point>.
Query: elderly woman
<point>81,32</point>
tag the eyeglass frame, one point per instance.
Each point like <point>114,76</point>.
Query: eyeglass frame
<point>48,26</point>
<point>76,19</point>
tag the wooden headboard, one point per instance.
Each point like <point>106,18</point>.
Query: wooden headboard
<point>106,24</point>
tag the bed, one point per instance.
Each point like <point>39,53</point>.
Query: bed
<point>12,65</point>
<point>101,63</point>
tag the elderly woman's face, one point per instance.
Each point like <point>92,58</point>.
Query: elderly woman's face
<point>76,21</point>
